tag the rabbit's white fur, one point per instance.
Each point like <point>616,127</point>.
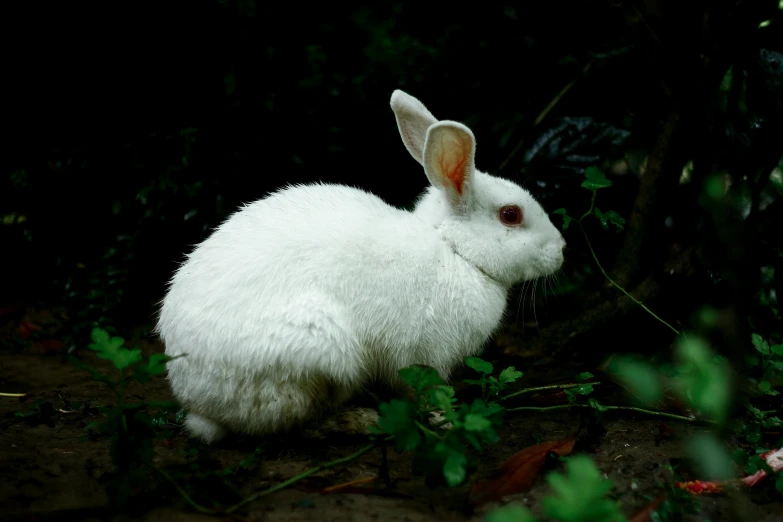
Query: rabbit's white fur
<point>302,298</point>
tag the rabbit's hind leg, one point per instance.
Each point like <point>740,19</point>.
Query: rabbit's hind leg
<point>346,421</point>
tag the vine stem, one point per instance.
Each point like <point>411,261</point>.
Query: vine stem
<point>262,493</point>
<point>3,394</point>
<point>625,408</point>
<point>623,290</point>
<point>545,388</point>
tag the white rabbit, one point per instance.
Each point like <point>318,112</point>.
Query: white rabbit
<point>301,299</point>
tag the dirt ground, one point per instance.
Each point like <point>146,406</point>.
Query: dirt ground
<point>50,471</point>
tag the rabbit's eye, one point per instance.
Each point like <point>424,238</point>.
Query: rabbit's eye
<point>511,215</point>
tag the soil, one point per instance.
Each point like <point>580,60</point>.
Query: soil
<point>51,471</point>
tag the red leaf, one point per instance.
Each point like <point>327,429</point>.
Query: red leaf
<point>26,328</point>
<point>518,473</point>
<point>645,515</point>
<point>774,459</point>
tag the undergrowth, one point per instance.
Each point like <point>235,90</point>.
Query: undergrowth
<point>445,451</point>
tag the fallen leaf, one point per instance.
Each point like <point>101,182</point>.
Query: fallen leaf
<point>26,328</point>
<point>645,514</point>
<point>518,473</point>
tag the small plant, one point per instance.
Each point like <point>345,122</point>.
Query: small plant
<point>129,424</point>
<point>441,452</point>
<point>595,180</point>
<point>491,386</point>
<point>578,496</point>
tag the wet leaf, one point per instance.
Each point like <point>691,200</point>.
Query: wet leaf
<point>595,179</point>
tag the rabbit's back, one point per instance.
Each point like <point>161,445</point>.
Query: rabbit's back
<point>334,256</point>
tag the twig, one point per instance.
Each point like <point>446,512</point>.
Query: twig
<point>2,394</point>
<point>276,487</point>
<point>543,114</point>
<point>362,480</point>
<point>626,408</point>
<point>545,388</point>
<point>623,290</point>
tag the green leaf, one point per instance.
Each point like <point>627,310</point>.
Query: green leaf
<point>580,494</point>
<point>765,386</point>
<point>740,456</point>
<point>441,397</point>
<point>596,405</point>
<point>610,217</point>
<point>398,418</point>
<point>479,365</point>
<point>779,484</point>
<point>777,349</point>
<point>477,382</point>
<point>702,380</point>
<point>112,349</point>
<point>762,346</point>
<point>510,513</point>
<point>639,378</point>
<point>582,377</point>
<point>475,422</point>
<point>420,377</point>
<point>711,455</point>
<point>509,375</point>
<point>566,218</point>
<point>595,179</point>
<point>454,468</point>
<point>157,363</point>
<point>584,389</point>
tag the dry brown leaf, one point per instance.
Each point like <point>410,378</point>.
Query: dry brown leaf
<point>518,473</point>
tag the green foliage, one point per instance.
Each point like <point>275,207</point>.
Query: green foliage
<point>580,494</point>
<point>566,218</point>
<point>441,452</point>
<point>491,386</point>
<point>769,360</point>
<point>595,179</point>
<point>111,348</point>
<point>639,378</point>
<point>510,513</point>
<point>703,378</point>
<point>610,217</point>
<point>129,425</point>
<point>581,390</point>
<point>711,456</point>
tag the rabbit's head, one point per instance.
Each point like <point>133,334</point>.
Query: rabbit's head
<point>492,223</point>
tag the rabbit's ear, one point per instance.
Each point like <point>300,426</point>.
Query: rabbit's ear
<point>413,120</point>
<point>448,159</point>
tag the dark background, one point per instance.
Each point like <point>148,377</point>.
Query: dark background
<point>133,128</point>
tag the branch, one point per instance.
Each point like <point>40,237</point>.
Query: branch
<point>626,408</point>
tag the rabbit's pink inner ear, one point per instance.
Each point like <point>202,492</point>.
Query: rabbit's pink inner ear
<point>453,161</point>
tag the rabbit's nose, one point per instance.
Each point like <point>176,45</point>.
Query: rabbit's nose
<point>563,247</point>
